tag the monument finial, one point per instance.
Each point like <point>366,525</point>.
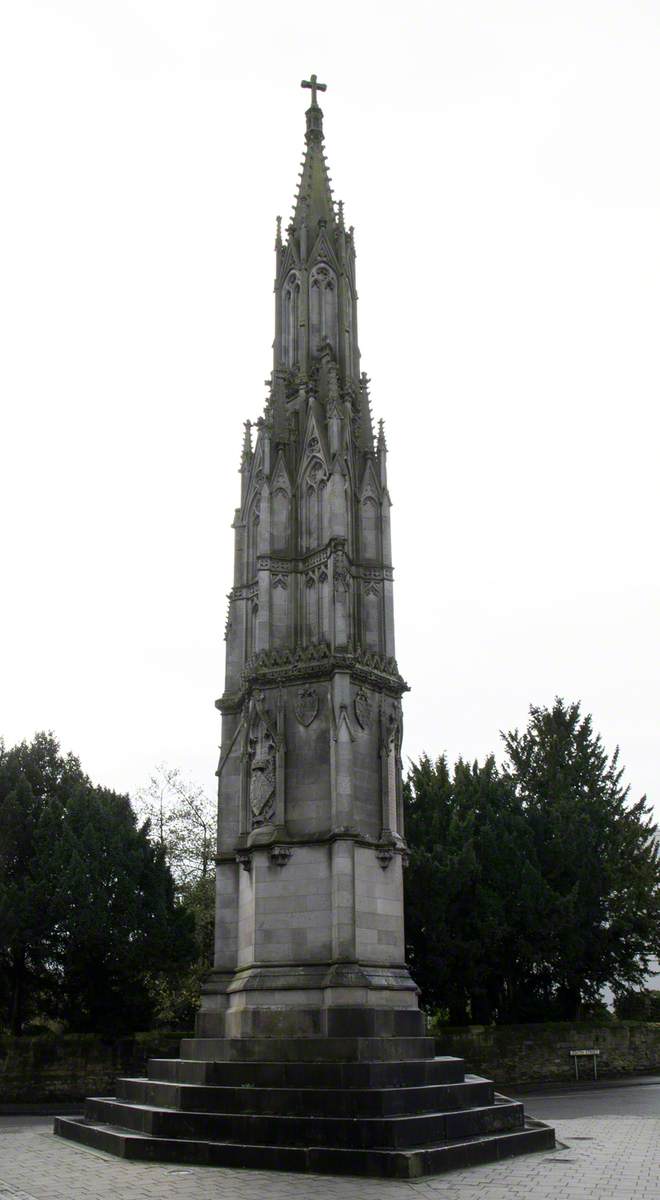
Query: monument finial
<point>315,86</point>
<point>246,452</point>
<point>314,113</point>
<point>314,203</point>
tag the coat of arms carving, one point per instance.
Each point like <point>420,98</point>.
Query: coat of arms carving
<point>262,789</point>
<point>261,758</point>
<point>306,705</point>
<point>362,709</point>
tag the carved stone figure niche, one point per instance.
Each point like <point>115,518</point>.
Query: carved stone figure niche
<point>391,770</point>
<point>261,755</point>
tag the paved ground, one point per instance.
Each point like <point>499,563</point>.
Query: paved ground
<point>613,1157</point>
<point>642,1100</point>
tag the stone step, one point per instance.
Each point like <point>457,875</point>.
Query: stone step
<point>367,1133</point>
<point>339,1021</point>
<point>411,1073</point>
<point>308,1049</point>
<point>305,1102</point>
<point>396,1164</point>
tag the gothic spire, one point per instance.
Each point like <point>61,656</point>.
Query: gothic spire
<point>314,199</point>
<point>315,293</point>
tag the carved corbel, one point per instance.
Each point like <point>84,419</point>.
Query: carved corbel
<point>384,854</point>
<point>279,855</point>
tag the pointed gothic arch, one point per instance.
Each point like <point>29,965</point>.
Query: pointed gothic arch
<point>291,319</point>
<point>252,539</point>
<point>322,307</point>
<point>253,610</point>
<point>312,517</point>
<point>279,524</point>
<point>312,497</point>
<point>369,526</point>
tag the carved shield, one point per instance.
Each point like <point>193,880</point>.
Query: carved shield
<point>262,790</point>
<point>363,709</point>
<point>307,705</point>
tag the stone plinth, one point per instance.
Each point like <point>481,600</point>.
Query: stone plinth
<point>354,1105</point>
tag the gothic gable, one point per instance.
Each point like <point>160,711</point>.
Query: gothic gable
<point>369,487</point>
<point>255,479</point>
<point>369,514</point>
<point>315,452</point>
<point>323,252</point>
<point>312,481</point>
<point>280,507</point>
<point>290,262</point>
<point>280,476</point>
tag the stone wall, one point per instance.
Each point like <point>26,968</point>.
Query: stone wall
<point>68,1068</point>
<point>540,1053</point>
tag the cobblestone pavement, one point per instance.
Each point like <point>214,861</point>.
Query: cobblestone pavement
<point>608,1158</point>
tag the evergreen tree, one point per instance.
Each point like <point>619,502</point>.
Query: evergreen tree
<point>427,798</point>
<point>474,896</point>
<point>35,782</point>
<point>530,889</point>
<point>87,903</point>
<point>597,852</point>
<point>117,919</point>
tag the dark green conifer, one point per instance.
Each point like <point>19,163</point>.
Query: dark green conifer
<point>87,904</point>
<point>598,854</point>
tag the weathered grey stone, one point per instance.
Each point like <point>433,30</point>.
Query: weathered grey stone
<point>311,830</point>
<point>310,977</point>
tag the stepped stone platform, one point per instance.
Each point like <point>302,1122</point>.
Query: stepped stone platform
<point>382,1106</point>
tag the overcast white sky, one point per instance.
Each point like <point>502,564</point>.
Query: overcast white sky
<point>499,161</point>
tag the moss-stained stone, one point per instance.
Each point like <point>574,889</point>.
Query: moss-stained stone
<point>70,1067</point>
<point>535,1053</point>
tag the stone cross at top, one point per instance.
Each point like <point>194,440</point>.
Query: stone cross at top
<point>316,87</point>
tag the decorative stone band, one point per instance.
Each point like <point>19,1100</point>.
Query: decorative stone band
<point>249,592</point>
<point>317,558</point>
<point>317,660</point>
<point>280,852</point>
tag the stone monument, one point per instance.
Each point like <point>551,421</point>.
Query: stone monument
<point>310,1050</point>
<point>309,930</point>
